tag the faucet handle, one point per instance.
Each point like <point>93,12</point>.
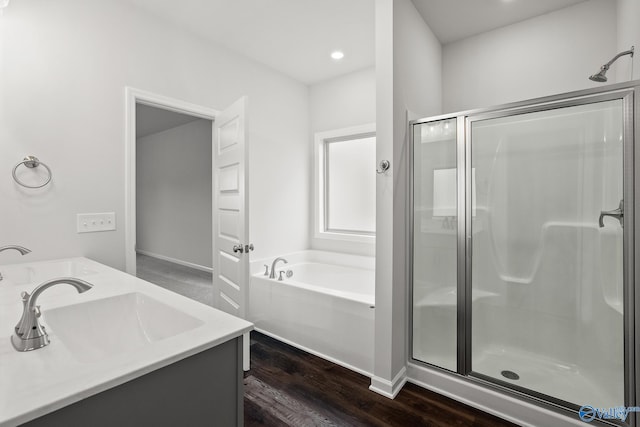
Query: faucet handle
<point>280,273</point>
<point>24,295</point>
<point>266,269</point>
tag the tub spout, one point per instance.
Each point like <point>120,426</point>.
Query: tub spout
<point>21,249</point>
<point>272,275</point>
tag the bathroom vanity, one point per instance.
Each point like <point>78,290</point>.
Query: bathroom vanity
<point>124,353</point>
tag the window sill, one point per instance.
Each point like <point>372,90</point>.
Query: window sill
<point>345,237</point>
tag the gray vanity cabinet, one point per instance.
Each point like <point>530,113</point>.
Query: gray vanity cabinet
<point>205,389</point>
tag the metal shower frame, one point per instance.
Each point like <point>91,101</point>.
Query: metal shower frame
<point>629,93</point>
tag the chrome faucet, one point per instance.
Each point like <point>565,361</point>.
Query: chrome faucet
<point>29,334</point>
<point>272,275</point>
<point>20,249</point>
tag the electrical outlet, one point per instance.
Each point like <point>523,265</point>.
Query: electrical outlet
<point>93,222</point>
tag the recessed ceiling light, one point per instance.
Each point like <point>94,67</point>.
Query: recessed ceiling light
<point>337,55</point>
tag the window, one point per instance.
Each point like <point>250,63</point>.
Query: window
<point>345,205</point>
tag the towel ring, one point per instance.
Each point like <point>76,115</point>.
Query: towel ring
<point>32,162</point>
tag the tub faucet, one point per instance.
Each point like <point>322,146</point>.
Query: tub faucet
<point>29,334</point>
<point>272,275</point>
<point>20,249</point>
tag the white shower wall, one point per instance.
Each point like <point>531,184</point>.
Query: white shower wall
<point>553,275</point>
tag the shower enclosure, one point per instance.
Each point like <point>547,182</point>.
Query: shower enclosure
<point>522,247</point>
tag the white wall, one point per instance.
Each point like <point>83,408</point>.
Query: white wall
<point>408,59</point>
<point>345,101</point>
<point>173,193</point>
<point>546,55</point>
<point>342,102</point>
<point>628,35</point>
<point>65,65</point>
<point>383,374</point>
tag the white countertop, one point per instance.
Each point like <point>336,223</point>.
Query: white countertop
<point>37,382</point>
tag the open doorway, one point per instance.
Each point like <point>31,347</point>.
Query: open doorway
<point>229,219</point>
<point>173,201</point>
<point>228,216</point>
<point>169,193</point>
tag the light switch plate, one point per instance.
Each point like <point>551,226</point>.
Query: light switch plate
<point>93,222</point>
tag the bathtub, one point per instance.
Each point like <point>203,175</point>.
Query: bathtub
<point>326,308</point>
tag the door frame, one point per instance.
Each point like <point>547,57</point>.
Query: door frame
<point>135,96</point>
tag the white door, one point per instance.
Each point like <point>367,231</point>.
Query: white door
<point>230,211</point>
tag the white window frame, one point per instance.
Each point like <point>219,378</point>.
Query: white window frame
<point>319,208</point>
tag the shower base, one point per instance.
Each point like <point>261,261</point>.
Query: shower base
<point>563,381</point>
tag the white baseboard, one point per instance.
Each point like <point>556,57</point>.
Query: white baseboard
<point>175,261</point>
<point>315,353</point>
<point>388,388</point>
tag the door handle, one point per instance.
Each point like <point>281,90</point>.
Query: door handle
<point>616,213</point>
<point>243,248</point>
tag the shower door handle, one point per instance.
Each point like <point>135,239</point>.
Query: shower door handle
<point>616,213</point>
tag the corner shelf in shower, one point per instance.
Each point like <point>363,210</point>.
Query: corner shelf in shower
<point>448,297</point>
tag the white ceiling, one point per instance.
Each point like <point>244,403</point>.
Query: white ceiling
<point>452,20</point>
<point>150,120</point>
<point>296,37</point>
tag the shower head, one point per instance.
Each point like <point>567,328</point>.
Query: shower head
<point>600,76</point>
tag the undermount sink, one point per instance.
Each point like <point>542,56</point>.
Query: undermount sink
<point>108,327</point>
<point>22,275</point>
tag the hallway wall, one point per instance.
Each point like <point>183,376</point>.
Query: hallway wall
<point>174,188</point>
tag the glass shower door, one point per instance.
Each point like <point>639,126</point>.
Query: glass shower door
<point>546,275</point>
<point>434,246</point>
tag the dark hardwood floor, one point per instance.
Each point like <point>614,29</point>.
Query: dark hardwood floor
<point>289,387</point>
